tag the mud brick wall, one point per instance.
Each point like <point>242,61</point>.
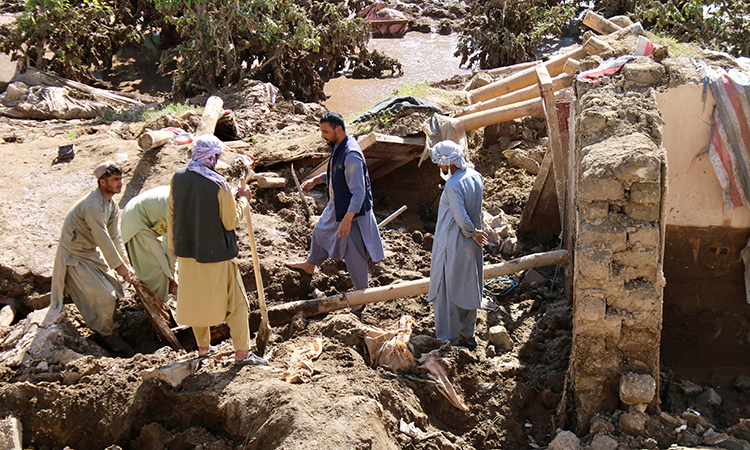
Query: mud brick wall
<point>619,171</point>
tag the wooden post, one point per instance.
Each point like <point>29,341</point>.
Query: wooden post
<point>153,139</point>
<point>553,131</point>
<point>211,113</point>
<point>500,114</point>
<point>526,77</point>
<point>596,46</point>
<point>271,182</point>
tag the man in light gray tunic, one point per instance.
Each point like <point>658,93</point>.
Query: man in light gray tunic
<point>91,229</point>
<point>347,228</point>
<point>456,274</point>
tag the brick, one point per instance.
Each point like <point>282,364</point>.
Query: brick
<point>594,187</point>
<point>11,434</point>
<point>608,233</point>
<point>590,305</point>
<point>593,210</point>
<point>648,235</point>
<point>648,212</point>
<point>645,192</point>
<point>645,71</point>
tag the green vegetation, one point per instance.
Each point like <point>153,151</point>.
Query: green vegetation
<point>499,33</point>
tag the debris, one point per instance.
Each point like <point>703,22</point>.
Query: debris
<point>172,374</point>
<point>565,440</point>
<point>271,182</point>
<point>637,388</point>
<point>390,347</point>
<point>411,430</point>
<point>6,316</point>
<point>11,434</point>
<point>431,363</point>
<point>301,367</point>
<point>500,338</point>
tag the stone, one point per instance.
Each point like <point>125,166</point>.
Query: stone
<point>172,374</point>
<point>670,420</point>
<point>521,160</point>
<point>591,304</point>
<point>603,442</point>
<point>550,399</point>
<point>565,440</point>
<point>711,437</point>
<point>531,276</point>
<point>644,71</point>
<point>710,398</point>
<point>500,338</point>
<point>596,187</point>
<point>637,388</point>
<point>645,192</point>
<point>6,316</point>
<point>742,383</point>
<point>479,80</point>
<point>649,236</point>
<point>600,425</point>
<point>694,419</point>
<point>622,21</point>
<point>741,430</point>
<point>648,212</point>
<point>690,388</point>
<point>633,423</point>
<point>594,210</point>
<point>10,434</point>
<point>67,355</point>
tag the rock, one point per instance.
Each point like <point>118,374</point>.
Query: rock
<point>510,247</point>
<point>633,423</point>
<point>646,71</point>
<point>603,442</point>
<point>637,388</point>
<point>623,21</point>
<point>741,430</point>
<point>694,419</point>
<point>520,160</point>
<point>690,388</point>
<point>711,437</point>
<point>500,338</point>
<point>670,420</point>
<point>173,374</point>
<point>550,399</point>
<point>6,316</point>
<point>742,383</point>
<point>10,434</point>
<point>67,355</point>
<point>429,238</point>
<point>532,276</point>
<point>479,80</point>
<point>565,440</point>
<point>709,398</point>
<point>600,425</point>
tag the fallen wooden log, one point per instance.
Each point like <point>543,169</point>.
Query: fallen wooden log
<point>271,182</point>
<point>254,176</point>
<point>153,139</point>
<point>561,81</point>
<point>513,68</point>
<point>524,78</point>
<point>388,219</point>
<point>283,314</point>
<point>213,110</point>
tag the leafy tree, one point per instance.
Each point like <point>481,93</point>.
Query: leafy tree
<point>502,32</point>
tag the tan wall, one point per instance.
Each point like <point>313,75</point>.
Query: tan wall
<point>694,197</point>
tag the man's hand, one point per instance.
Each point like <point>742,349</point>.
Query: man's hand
<point>126,272</point>
<point>246,192</point>
<point>346,225</point>
<point>311,183</point>
<point>480,237</point>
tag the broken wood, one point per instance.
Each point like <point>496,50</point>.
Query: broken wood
<point>513,68</point>
<point>540,219</point>
<point>153,139</point>
<point>253,176</point>
<point>301,193</point>
<point>283,314</point>
<point>526,77</point>
<point>553,131</point>
<point>596,46</point>
<point>388,219</point>
<point>271,182</point>
<point>599,23</point>
<point>500,114</point>
<point>157,311</point>
<point>213,110</point>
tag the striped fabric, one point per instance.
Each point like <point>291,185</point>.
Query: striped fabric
<point>729,149</point>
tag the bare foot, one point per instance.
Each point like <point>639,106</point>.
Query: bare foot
<point>302,265</point>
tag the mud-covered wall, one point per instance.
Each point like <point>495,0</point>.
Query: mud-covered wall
<point>620,179</point>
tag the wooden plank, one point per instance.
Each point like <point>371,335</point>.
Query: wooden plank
<point>599,23</point>
<point>540,217</point>
<point>553,131</point>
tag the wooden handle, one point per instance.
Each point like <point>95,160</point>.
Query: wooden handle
<point>256,265</point>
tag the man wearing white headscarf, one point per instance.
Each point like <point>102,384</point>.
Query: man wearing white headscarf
<point>202,217</point>
<point>456,273</point>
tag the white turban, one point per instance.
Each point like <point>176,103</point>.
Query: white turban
<point>445,153</point>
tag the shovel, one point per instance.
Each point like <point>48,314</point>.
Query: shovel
<point>264,331</point>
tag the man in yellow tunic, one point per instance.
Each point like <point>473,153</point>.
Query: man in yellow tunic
<point>203,215</point>
<point>144,221</point>
<point>79,271</point>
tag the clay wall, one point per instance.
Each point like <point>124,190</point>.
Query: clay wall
<point>620,182</point>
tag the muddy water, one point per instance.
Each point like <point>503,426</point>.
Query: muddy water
<point>423,57</point>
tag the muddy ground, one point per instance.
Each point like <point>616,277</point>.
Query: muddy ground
<point>67,390</point>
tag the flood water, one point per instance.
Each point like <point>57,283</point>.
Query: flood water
<point>423,57</point>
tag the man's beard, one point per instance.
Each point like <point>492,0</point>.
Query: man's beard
<point>445,175</point>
